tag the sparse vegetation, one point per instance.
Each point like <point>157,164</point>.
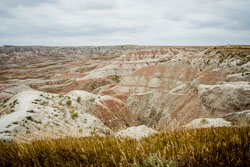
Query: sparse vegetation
<point>92,99</point>
<point>12,106</point>
<point>197,147</point>
<point>38,122</point>
<point>8,126</point>
<point>155,160</point>
<point>69,102</point>
<point>11,111</point>
<point>93,132</point>
<point>30,111</point>
<point>115,78</point>
<point>204,121</point>
<point>74,115</point>
<point>78,99</point>
<point>7,131</point>
<point>29,118</point>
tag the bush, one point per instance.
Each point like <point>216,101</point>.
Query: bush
<point>204,121</point>
<point>78,99</point>
<point>74,115</point>
<point>69,102</point>
<point>29,118</point>
<point>115,78</point>
<point>92,99</point>
<point>31,111</point>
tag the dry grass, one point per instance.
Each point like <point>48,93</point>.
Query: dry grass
<point>200,147</point>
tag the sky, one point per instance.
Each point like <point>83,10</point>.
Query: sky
<point>122,22</point>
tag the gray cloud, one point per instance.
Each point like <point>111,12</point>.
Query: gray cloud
<point>112,22</point>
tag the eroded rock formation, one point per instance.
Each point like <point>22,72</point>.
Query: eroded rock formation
<point>122,86</point>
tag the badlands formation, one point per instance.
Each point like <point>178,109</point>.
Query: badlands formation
<point>84,91</point>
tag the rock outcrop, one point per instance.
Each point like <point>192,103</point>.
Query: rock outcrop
<point>239,118</point>
<point>207,123</point>
<point>39,114</point>
<point>136,132</point>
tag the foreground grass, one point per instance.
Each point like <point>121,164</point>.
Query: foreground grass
<point>200,147</point>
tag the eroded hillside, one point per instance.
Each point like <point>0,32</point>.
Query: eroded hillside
<point>111,88</point>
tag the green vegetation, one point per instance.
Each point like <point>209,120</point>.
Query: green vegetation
<point>31,111</point>
<point>12,106</point>
<point>38,122</point>
<point>155,160</point>
<point>115,78</point>
<point>8,126</point>
<point>11,111</point>
<point>7,131</point>
<point>74,115</point>
<point>69,102</point>
<point>78,99</point>
<point>29,118</point>
<point>92,99</point>
<point>204,121</point>
<point>228,146</point>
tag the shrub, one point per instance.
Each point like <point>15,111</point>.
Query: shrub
<point>7,131</point>
<point>74,115</point>
<point>115,78</point>
<point>78,99</point>
<point>29,118</point>
<point>11,111</point>
<point>203,121</point>
<point>93,132</point>
<point>69,102</point>
<point>31,111</point>
<point>92,99</point>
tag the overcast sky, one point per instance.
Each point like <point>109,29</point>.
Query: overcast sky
<point>116,22</point>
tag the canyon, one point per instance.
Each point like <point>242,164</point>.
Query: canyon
<point>102,90</point>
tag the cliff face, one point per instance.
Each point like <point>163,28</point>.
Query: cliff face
<point>163,87</point>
